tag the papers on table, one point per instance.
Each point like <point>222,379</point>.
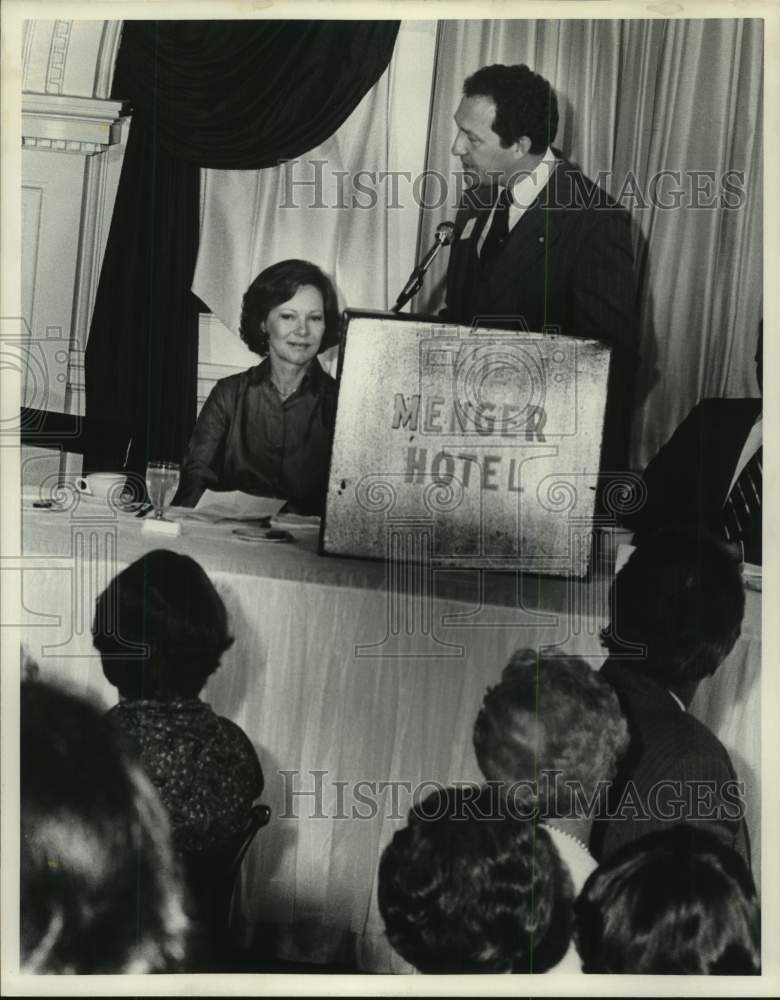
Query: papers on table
<point>233,506</point>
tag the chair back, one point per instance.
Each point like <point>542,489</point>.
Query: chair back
<point>259,816</point>
<point>212,877</point>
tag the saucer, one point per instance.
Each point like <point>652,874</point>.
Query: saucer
<point>47,506</point>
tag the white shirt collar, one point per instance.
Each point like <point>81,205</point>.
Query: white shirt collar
<point>677,699</point>
<point>752,443</point>
<point>528,186</point>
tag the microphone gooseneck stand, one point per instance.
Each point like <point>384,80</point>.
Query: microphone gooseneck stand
<point>445,234</point>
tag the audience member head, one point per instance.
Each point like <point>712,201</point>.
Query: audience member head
<point>525,102</point>
<point>160,628</point>
<point>674,902</point>
<point>278,284</point>
<point>547,716</point>
<point>681,597</point>
<point>100,890</point>
<point>466,887</point>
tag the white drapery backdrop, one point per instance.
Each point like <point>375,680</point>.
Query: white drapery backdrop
<point>346,205</point>
<point>637,97</point>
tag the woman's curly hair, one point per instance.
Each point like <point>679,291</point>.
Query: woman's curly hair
<point>467,887</point>
<point>548,717</point>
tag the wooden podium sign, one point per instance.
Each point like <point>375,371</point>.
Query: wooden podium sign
<point>483,445</point>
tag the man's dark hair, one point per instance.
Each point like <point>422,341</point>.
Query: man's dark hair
<point>680,595</point>
<point>101,889</point>
<point>466,887</point>
<point>277,284</point>
<point>160,628</point>
<point>525,104</point>
<point>674,902</point>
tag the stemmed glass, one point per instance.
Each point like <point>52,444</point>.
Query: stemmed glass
<point>162,480</point>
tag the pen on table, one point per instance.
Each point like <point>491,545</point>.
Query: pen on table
<point>144,510</point>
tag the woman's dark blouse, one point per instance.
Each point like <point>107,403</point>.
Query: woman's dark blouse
<point>247,438</point>
<point>204,767</point>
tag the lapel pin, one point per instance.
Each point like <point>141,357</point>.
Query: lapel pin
<point>540,239</point>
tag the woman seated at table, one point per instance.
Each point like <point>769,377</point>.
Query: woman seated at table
<point>161,628</point>
<point>267,431</point>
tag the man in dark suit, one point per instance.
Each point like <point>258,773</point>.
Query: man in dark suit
<point>677,608</point>
<point>710,473</point>
<point>539,246</point>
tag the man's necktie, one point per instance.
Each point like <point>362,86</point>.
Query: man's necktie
<point>499,228</point>
<point>742,510</point>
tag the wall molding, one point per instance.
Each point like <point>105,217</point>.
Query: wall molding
<point>40,188</point>
<point>75,386</point>
<point>208,376</point>
<point>84,125</point>
<point>100,180</point>
<point>58,55</point>
<point>63,146</point>
<point>109,48</point>
<point>27,48</point>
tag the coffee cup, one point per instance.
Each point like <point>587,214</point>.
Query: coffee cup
<point>106,486</point>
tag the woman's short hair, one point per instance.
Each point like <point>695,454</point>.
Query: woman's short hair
<point>277,284</point>
<point>674,902</point>
<point>160,628</point>
<point>681,597</point>
<point>100,887</point>
<point>466,887</point>
<point>550,730</point>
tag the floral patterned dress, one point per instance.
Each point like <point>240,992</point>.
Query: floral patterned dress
<point>204,767</point>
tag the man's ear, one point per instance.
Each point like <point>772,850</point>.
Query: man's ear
<point>523,145</point>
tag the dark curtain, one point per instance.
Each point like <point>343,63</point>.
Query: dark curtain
<point>221,94</point>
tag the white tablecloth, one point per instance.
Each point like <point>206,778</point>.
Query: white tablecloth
<point>343,673</point>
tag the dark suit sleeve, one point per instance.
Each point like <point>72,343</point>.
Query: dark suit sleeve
<point>602,300</point>
<point>670,480</point>
<point>456,292</point>
<point>697,789</point>
<point>203,461</point>
<point>603,289</point>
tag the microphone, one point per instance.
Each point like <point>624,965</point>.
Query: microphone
<point>445,234</point>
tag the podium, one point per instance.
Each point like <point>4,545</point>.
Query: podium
<point>479,447</point>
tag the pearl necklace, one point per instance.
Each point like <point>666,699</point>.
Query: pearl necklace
<point>571,836</point>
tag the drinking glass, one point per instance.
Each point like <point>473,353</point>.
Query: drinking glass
<point>162,480</point>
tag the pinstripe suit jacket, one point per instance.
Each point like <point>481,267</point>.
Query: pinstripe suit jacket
<point>689,479</point>
<point>566,266</point>
<point>676,770</point>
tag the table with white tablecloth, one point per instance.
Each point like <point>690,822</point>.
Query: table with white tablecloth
<point>357,682</point>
